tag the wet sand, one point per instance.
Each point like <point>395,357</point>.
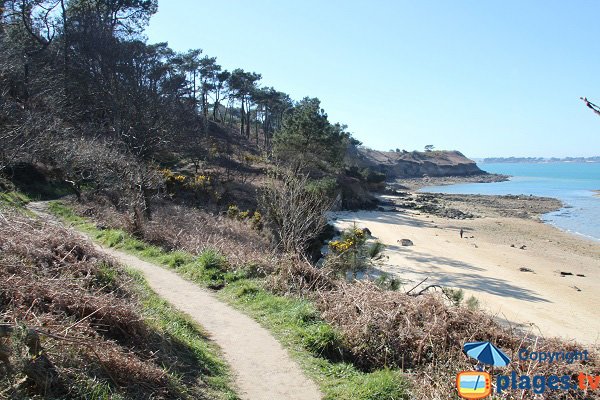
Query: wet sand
<point>486,262</point>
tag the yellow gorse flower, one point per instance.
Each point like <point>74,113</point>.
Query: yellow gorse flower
<point>202,179</point>
<point>172,176</point>
<point>341,246</point>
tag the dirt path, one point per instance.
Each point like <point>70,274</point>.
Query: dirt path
<point>263,369</point>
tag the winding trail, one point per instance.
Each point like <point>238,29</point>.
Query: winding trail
<point>262,368</point>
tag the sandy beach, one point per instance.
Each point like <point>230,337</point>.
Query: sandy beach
<point>557,296</point>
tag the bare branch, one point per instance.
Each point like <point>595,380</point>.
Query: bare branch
<point>591,105</point>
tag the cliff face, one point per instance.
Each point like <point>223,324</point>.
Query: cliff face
<point>413,164</point>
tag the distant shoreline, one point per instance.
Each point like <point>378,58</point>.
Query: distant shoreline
<point>538,160</point>
<point>414,184</point>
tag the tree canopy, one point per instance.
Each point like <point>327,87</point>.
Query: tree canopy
<point>82,92</point>
<point>307,138</point>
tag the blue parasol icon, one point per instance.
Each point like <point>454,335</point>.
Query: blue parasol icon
<point>486,353</point>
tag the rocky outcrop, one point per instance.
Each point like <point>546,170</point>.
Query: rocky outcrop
<point>414,164</point>
<point>355,194</point>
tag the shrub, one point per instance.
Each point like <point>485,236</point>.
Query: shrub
<point>294,215</point>
<point>243,215</point>
<point>323,187</point>
<point>177,259</point>
<point>233,211</point>
<point>456,296</point>
<point>384,281</point>
<point>472,303</point>
<point>256,221</point>
<point>351,253</point>
<point>212,259</point>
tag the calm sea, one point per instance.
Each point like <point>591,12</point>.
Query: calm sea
<point>573,183</point>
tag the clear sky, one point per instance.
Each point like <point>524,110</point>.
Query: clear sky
<point>489,78</point>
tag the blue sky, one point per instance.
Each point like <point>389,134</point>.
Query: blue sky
<point>489,78</point>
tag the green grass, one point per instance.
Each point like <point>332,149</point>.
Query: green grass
<point>295,322</point>
<point>14,199</point>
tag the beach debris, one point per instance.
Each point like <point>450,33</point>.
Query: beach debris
<point>406,242</point>
<point>522,247</point>
<point>563,273</point>
<point>475,245</point>
<point>512,245</point>
<point>582,275</point>
<point>525,269</point>
<point>417,285</point>
<point>576,288</point>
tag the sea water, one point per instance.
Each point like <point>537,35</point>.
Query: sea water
<point>573,183</point>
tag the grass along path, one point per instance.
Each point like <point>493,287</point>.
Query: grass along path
<point>261,366</point>
<point>163,317</point>
<point>294,322</point>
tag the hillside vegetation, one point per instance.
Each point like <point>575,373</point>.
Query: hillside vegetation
<point>73,324</point>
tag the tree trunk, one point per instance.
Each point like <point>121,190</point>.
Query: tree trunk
<point>248,122</point>
<point>242,119</point>
<point>216,105</point>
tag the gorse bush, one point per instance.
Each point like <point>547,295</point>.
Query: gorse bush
<point>233,211</point>
<point>352,253</point>
<point>255,218</point>
<point>256,221</point>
